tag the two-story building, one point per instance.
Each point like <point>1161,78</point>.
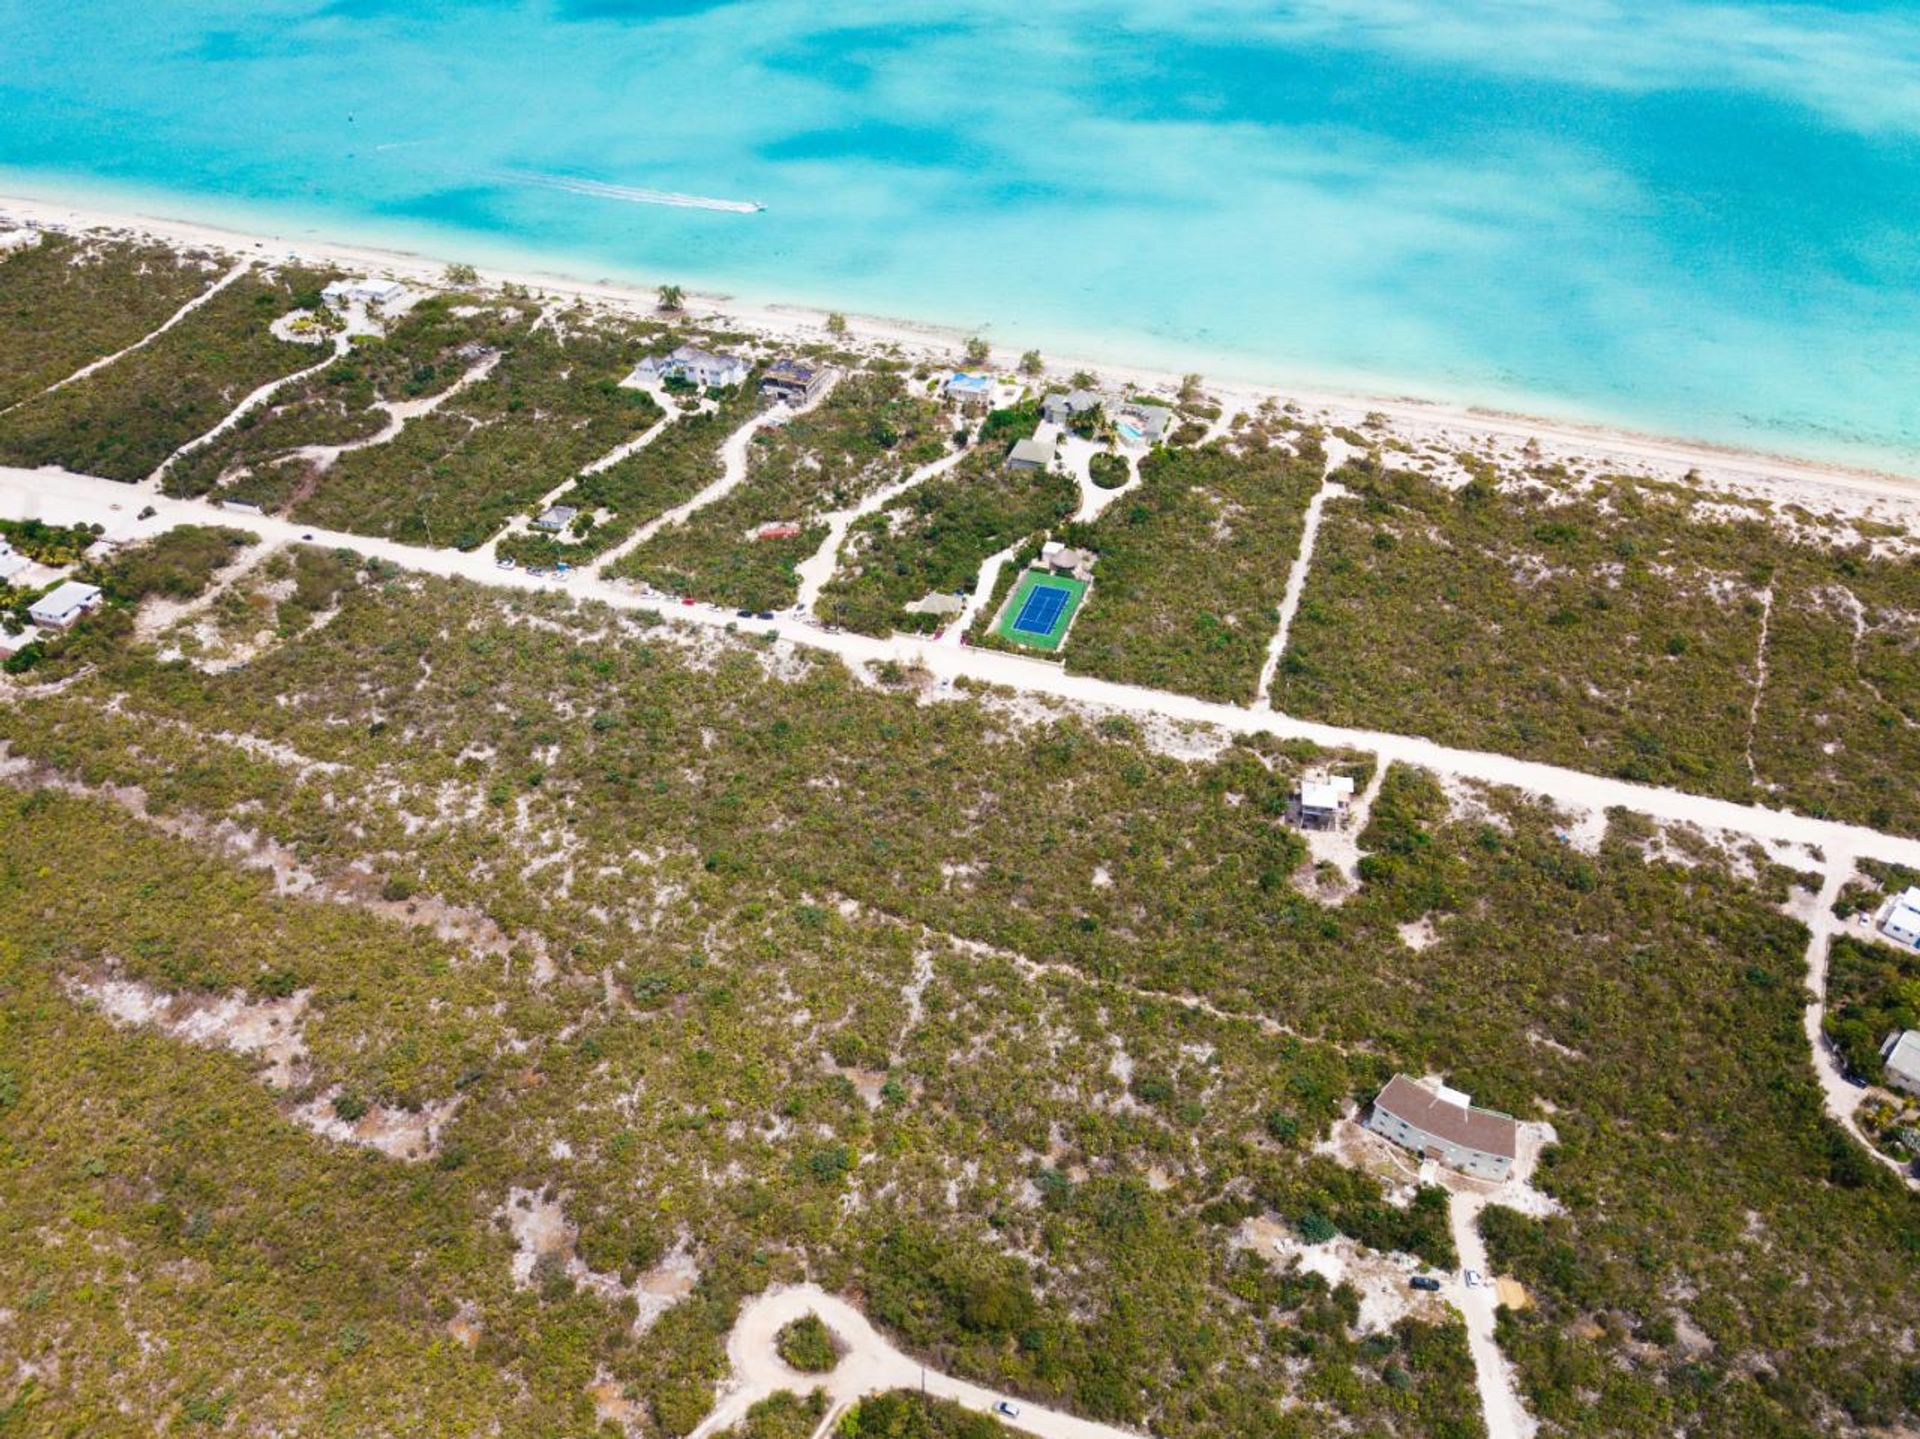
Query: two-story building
<point>1442,1124</point>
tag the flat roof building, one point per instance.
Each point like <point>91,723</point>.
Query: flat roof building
<point>1324,800</point>
<point>1441,1124</point>
<point>64,604</point>
<point>1903,919</point>
<point>792,382</point>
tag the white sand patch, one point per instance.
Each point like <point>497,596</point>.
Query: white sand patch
<point>1420,934</point>
<point>268,1028</point>
<point>406,1134</point>
<point>540,1228</point>
<point>1381,1280</point>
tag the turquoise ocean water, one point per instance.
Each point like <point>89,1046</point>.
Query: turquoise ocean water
<point>1699,219</point>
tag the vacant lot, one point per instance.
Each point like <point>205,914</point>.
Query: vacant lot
<point>122,421</point>
<point>1193,564</point>
<point>867,434</point>
<point>1617,626</point>
<point>69,301</point>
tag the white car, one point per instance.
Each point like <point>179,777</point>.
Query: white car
<point>1007,1407</point>
<point>503,563</point>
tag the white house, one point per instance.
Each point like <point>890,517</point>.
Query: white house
<point>1059,409</point>
<point>692,364</point>
<point>1900,1058</point>
<point>61,606</point>
<point>11,561</point>
<point>11,645</point>
<point>968,390</point>
<point>1903,920</point>
<point>1324,799</point>
<point>367,291</point>
<point>1441,1124</point>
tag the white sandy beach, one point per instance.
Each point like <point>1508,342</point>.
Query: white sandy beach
<point>1410,422</point>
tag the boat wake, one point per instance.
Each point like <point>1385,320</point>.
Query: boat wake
<point>629,194</point>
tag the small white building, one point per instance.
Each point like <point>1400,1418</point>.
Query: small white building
<point>555,518</point>
<point>1900,1058</point>
<point>64,604</point>
<point>366,291</point>
<point>1903,918</point>
<point>11,562</point>
<point>693,365</point>
<point>1441,1124</point>
<point>1325,800</point>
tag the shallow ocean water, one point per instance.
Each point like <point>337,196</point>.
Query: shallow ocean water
<point>1698,219</point>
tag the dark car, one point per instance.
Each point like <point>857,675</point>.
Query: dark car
<point>764,615</point>
<point>1425,1281</point>
<point>745,614</point>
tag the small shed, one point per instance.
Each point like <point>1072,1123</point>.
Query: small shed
<point>969,390</point>
<point>1900,1059</point>
<point>64,604</point>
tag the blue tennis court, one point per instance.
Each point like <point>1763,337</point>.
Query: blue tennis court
<point>1038,612</point>
<point>1042,609</point>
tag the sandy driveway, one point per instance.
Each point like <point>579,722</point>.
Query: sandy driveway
<point>869,1366</point>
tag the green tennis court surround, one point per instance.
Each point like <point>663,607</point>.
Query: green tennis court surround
<point>1040,610</point>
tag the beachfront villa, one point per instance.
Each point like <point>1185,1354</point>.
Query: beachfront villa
<point>368,291</point>
<point>1059,409</point>
<point>1142,424</point>
<point>691,365</point>
<point>968,390</point>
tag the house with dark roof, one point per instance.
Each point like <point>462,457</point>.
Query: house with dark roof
<point>792,382</point>
<point>1442,1124</point>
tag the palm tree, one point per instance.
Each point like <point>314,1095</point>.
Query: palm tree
<point>672,297</point>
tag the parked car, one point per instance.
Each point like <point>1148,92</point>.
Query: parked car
<point>764,615</point>
<point>1426,1282</point>
<point>505,562</point>
<point>745,614</point>
<point>1008,1408</point>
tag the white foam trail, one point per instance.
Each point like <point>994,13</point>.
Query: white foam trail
<point>400,145</point>
<point>631,195</point>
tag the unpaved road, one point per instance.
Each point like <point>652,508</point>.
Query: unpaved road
<point>869,1366</point>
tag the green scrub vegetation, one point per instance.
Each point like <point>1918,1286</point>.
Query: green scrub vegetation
<point>868,433</point>
<point>1617,626</point>
<point>762,970</point>
<point>122,421</point>
<point>1193,564</point>
<point>936,536</point>
<point>68,301</point>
